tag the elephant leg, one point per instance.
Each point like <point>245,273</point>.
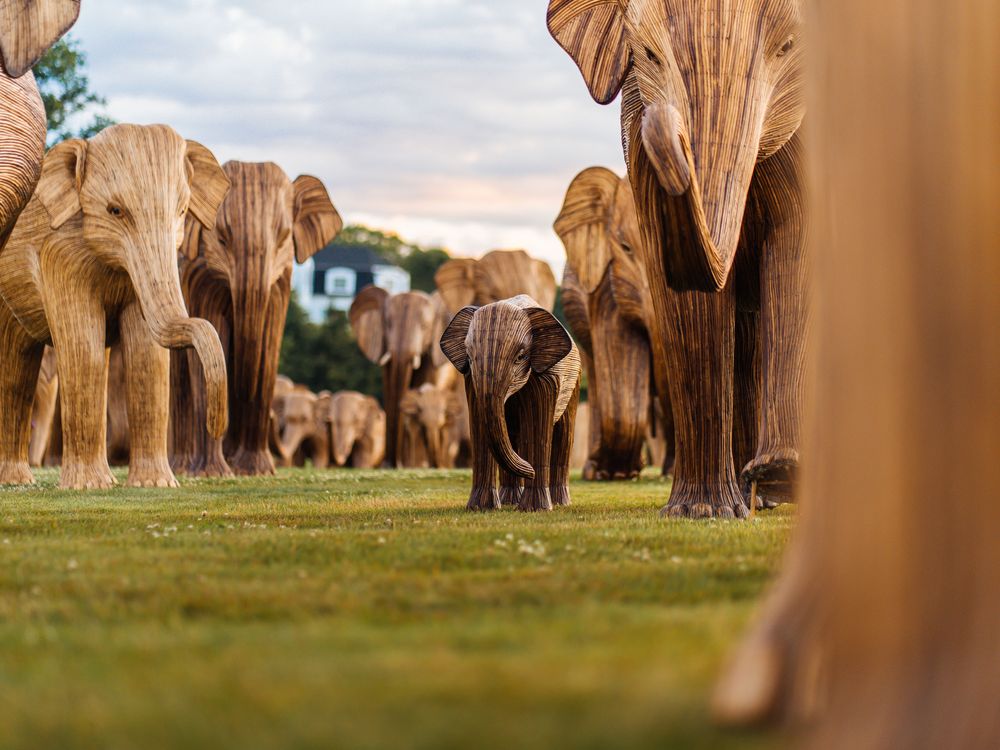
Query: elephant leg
<point>562,449</point>
<point>700,347</point>
<point>22,359</point>
<point>746,392</point>
<point>206,458</point>
<point>590,468</point>
<point>535,407</point>
<point>783,322</point>
<point>147,398</point>
<point>321,450</point>
<point>484,495</point>
<point>181,432</point>
<point>511,485</point>
<point>78,334</point>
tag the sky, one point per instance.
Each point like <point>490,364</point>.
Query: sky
<point>451,122</point>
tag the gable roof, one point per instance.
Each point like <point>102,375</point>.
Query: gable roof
<point>355,257</point>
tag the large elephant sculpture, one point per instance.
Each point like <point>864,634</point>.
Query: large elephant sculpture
<point>498,275</point>
<point>609,309</point>
<point>304,434</point>
<point>522,374</point>
<point>237,275</point>
<point>27,29</point>
<point>438,419</point>
<point>711,107</point>
<point>400,333</point>
<point>93,259</point>
<point>357,430</point>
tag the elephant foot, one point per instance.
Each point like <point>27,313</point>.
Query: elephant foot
<point>150,473</point>
<point>590,471</point>
<point>560,495</point>
<point>688,500</point>
<point>15,472</point>
<point>535,499</point>
<point>78,476</point>
<point>510,496</point>
<point>484,499</point>
<point>251,463</point>
<point>774,476</point>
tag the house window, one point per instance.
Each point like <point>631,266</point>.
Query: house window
<point>340,282</point>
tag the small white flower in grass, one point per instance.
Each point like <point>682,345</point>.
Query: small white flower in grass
<point>676,560</point>
<point>72,564</point>
<point>6,541</point>
<point>510,537</point>
<point>381,540</point>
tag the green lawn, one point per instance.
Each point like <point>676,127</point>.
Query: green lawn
<point>367,610</point>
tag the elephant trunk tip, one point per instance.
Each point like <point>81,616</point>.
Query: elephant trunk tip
<point>665,143</point>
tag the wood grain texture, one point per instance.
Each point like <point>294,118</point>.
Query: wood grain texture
<point>303,434</point>
<point>881,632</point>
<point>711,104</point>
<point>523,386</point>
<point>29,27</point>
<point>93,257</point>
<point>609,307</point>
<point>498,275</point>
<point>237,275</point>
<point>118,433</point>
<point>401,333</point>
<point>438,418</point>
<point>357,426</point>
<point>43,410</point>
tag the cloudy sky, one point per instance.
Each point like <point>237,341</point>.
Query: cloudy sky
<point>454,122</point>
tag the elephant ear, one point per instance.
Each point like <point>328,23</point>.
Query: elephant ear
<point>367,316</point>
<point>29,27</point>
<point>453,340</point>
<point>593,33</point>
<point>59,185</point>
<point>584,224</point>
<point>574,300</point>
<point>317,222</point>
<point>191,243</point>
<point>209,184</point>
<point>455,282</point>
<point>550,342</point>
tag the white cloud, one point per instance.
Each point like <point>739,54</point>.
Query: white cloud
<point>458,122</point>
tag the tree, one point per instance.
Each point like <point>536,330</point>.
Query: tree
<point>420,262</point>
<point>65,89</point>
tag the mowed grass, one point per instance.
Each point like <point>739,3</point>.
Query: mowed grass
<point>367,610</point>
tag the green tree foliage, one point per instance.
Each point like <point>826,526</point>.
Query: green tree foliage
<point>420,262</point>
<point>326,357</point>
<point>66,94</point>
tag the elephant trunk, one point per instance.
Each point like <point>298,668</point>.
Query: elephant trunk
<point>291,440</point>
<point>252,380</point>
<point>397,375</point>
<point>495,422</point>
<point>435,446</point>
<point>343,444</point>
<point>158,289</point>
<point>704,176</point>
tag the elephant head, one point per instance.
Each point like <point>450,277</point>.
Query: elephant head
<point>433,412</point>
<point>357,426</point>
<point>499,347</point>
<point>300,422</point>
<point>265,224</point>
<point>400,333</point>
<point>709,90</point>
<point>609,308</point>
<point>498,275</point>
<point>132,188</point>
<point>29,27</point>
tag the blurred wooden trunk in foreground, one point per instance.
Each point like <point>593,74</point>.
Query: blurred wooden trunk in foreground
<point>885,624</point>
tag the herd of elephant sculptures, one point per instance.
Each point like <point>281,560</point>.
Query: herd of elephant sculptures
<point>684,288</point>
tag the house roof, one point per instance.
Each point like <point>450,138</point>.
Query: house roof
<point>355,257</point>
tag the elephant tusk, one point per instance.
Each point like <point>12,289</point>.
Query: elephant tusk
<point>416,362</point>
<point>386,358</point>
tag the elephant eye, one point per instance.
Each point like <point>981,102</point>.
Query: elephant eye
<point>626,247</point>
<point>522,355</point>
<point>787,46</point>
<point>115,211</point>
<point>652,56</point>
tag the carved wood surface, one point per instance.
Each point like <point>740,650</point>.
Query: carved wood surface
<point>357,428</point>
<point>498,275</point>
<point>711,104</point>
<point>94,256</point>
<point>43,411</point>
<point>237,275</point>
<point>523,385</point>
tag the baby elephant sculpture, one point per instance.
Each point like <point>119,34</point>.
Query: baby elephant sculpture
<point>357,430</point>
<point>522,379</point>
<point>93,259</point>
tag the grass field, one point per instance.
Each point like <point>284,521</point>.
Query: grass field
<point>367,610</point>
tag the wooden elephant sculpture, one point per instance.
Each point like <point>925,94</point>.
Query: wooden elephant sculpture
<point>400,333</point>
<point>438,418</point>
<point>119,440</point>
<point>498,275</point>
<point>27,29</point>
<point>711,107</point>
<point>237,275</point>
<point>609,309</point>
<point>93,258</point>
<point>522,373</point>
<point>882,630</point>
<point>303,434</point>
<point>357,426</point>
<point>44,408</point>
